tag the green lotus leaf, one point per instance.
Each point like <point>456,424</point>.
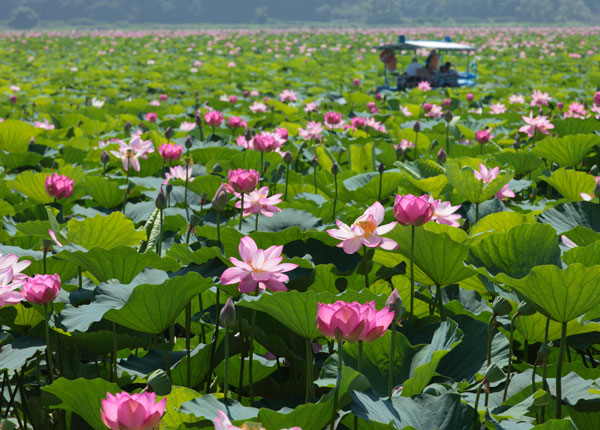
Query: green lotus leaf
<point>261,367</point>
<point>501,222</point>
<point>560,294</point>
<point>82,397</point>
<point>33,185</point>
<point>566,151</point>
<point>362,158</point>
<point>570,183</point>
<point>516,251</point>
<point>16,135</point>
<point>104,192</point>
<point>464,181</point>
<point>104,232</point>
<point>567,216</point>
<point>533,328</point>
<point>521,162</point>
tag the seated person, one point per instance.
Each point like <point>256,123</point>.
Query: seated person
<point>411,70</point>
<point>447,69</point>
<point>432,62</point>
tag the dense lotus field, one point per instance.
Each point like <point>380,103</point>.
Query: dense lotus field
<point>223,229</point>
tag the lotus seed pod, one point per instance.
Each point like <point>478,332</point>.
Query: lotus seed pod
<point>526,309</point>
<point>417,127</point>
<point>501,306</point>
<point>381,168</point>
<point>169,133</point>
<point>441,156</point>
<point>545,350</point>
<point>335,169</point>
<point>448,116</point>
<point>228,315</point>
<point>161,200</point>
<point>188,142</point>
<point>287,157</point>
<point>104,157</point>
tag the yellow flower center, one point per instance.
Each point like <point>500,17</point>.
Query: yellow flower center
<point>367,226</point>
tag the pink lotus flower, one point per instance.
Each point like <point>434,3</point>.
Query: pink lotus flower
<point>233,99</point>
<point>539,98</point>
<point>424,86</point>
<point>178,172</point>
<point>597,98</point>
<point>576,110</point>
<point>356,82</point>
<point>412,210</point>
<point>364,231</point>
<point>11,278</point>
<point>258,268</point>
<point>258,107</point>
<point>163,97</point>
<point>59,187</point>
<point>376,322</point>
<point>516,99</point>
<point>358,122</point>
<point>568,242</point>
<point>539,123</point>
<point>470,97</point>
<point>41,289</point>
<point>443,212</point>
<point>282,133</point>
<point>46,125</point>
<point>154,103</point>
<point>588,197</point>
<point>187,126</point>
<point>446,102</point>
<point>151,116</point>
<point>404,145</point>
<point>288,96</point>
<point>375,125</point>
<point>170,151</point>
<point>236,122</point>
<point>267,142</point>
<point>242,181</point>
<point>332,118</point>
<point>504,193</point>
<point>310,107</point>
<point>405,111</point>
<point>435,111</point>
<point>497,108</point>
<point>132,152</point>
<point>340,321</point>
<point>372,107</point>
<point>13,99</point>
<point>257,202</point>
<point>125,411</point>
<point>213,118</point>
<point>313,130</point>
<point>486,175</point>
<point>483,136</point>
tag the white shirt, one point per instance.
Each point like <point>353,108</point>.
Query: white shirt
<point>412,68</point>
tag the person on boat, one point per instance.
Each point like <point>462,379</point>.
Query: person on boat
<point>432,62</point>
<point>411,69</point>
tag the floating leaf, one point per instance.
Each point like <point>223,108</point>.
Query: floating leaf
<point>568,150</point>
<point>104,231</point>
<point>570,183</point>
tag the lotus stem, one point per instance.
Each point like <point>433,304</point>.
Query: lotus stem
<point>448,139</point>
<point>476,418</point>
<point>167,358</point>
<point>391,364</point>
<point>336,195</point>
<point>213,346</point>
<point>491,324</point>
<point>251,356</point>
<point>219,228</point>
<point>287,175</point>
<point>360,357</point>
<point>113,358</point>
<point>561,353</point>
<point>412,272</point>
<point>47,315</point>
<point>160,236</point>
<point>309,365</point>
<point>188,328</point>
<point>241,212</point>
<point>510,354</point>
<point>79,277</point>
<point>226,379</point>
<point>256,222</point>
<point>338,385</point>
<point>365,269</point>
<point>476,212</point>
<point>438,296</point>
<point>44,255</point>
<point>416,142</point>
<point>315,178</point>
<point>380,185</point>
<point>243,357</point>
<point>185,193</point>
<point>260,168</point>
<point>126,185</point>
<point>544,367</point>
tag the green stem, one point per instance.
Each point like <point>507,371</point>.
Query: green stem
<point>416,142</point>
<point>251,356</point>
<point>48,347</point>
<point>44,254</point>
<point>360,358</point>
<point>337,387</point>
<point>448,139</point>
<point>126,185</point>
<point>185,205</point>
<point>476,420</point>
<point>260,170</point>
<point>510,355</point>
<point>113,371</point>
<point>79,278</point>
<point>412,272</point>
<point>309,365</point>
<point>336,195</point>
<point>476,212</point>
<point>188,335</point>
<point>226,376</point>
<point>167,358</point>
<point>256,222</point>
<point>213,346</point>
<point>241,212</point>
<point>561,353</point>
<point>364,261</point>
<point>544,367</point>
<point>315,178</point>
<point>219,228</point>
<point>438,296</point>
<point>242,355</point>
<point>489,349</point>
<point>391,363</point>
<point>160,236</point>
<point>380,186</point>
<point>287,175</point>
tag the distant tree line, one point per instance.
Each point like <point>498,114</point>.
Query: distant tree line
<point>29,13</point>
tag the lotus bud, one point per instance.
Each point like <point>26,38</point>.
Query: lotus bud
<point>335,169</point>
<point>399,152</point>
<point>31,141</point>
<point>127,127</point>
<point>314,162</point>
<point>501,306</point>
<point>417,127</point>
<point>594,170</point>
<point>494,374</point>
<point>188,142</point>
<point>434,144</point>
<point>516,143</point>
<point>544,350</point>
<point>448,116</point>
<point>228,314</point>
<point>381,168</point>
<point>198,119</point>
<point>394,304</point>
<point>220,200</point>
<point>47,245</point>
<point>526,309</point>
<point>13,99</point>
<point>287,157</point>
<point>597,189</point>
<point>161,200</point>
<point>169,133</point>
<point>159,382</point>
<point>169,188</point>
<point>441,156</point>
<point>104,157</point>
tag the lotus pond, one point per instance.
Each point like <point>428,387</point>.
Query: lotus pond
<point>223,229</point>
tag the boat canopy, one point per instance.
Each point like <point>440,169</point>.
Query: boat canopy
<point>428,44</point>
